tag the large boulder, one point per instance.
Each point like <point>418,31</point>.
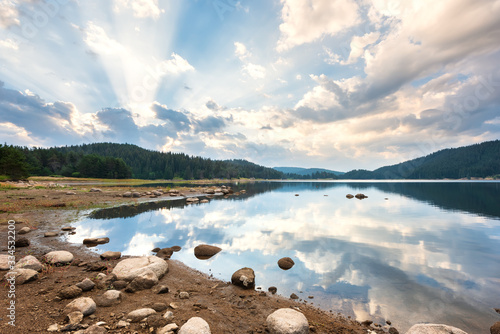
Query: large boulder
<point>195,325</point>
<point>287,321</point>
<point>58,257</point>
<point>205,252</point>
<point>245,278</point>
<point>109,255</point>
<point>29,262</point>
<point>434,329</point>
<point>145,280</point>
<point>138,315</point>
<point>286,263</point>
<point>129,269</point>
<point>22,275</point>
<point>85,305</point>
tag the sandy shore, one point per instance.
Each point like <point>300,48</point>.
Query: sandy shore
<point>45,207</point>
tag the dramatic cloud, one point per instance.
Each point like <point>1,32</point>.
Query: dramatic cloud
<point>305,21</point>
<point>177,118</point>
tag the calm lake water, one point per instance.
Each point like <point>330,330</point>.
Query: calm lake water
<point>411,252</point>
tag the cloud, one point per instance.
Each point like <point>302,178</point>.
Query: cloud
<point>177,118</point>
<point>212,105</point>
<point>254,71</point>
<point>9,15</point>
<point>99,42</point>
<point>306,21</point>
<point>358,45</point>
<point>175,65</point>
<point>120,125</point>
<point>210,124</point>
<point>141,8</point>
<point>241,51</point>
<point>9,44</point>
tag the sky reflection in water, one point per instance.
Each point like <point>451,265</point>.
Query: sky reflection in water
<point>429,253</point>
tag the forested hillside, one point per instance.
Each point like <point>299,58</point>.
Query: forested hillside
<point>134,161</point>
<point>479,160</point>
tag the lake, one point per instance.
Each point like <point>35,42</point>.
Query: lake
<point>411,252</point>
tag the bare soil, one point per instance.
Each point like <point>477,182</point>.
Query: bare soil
<point>227,308</point>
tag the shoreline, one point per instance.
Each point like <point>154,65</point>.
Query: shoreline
<point>227,308</point>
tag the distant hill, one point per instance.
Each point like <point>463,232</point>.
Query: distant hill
<point>305,171</point>
<point>479,160</point>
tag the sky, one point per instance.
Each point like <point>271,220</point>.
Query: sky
<point>337,84</point>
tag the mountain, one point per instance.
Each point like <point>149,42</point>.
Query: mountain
<point>479,160</point>
<point>143,163</point>
<point>305,171</point>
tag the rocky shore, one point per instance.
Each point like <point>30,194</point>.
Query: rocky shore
<point>62,287</point>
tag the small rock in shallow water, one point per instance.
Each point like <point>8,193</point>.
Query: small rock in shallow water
<point>286,263</point>
<point>273,289</point>
<point>294,296</point>
<point>205,252</point>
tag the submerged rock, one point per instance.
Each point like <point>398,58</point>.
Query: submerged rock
<point>205,252</point>
<point>286,263</point>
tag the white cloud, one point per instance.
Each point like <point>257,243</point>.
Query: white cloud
<point>9,44</point>
<point>9,15</point>
<point>99,41</point>
<point>141,8</point>
<point>254,71</point>
<point>175,65</point>
<point>358,45</point>
<point>241,51</point>
<point>305,21</point>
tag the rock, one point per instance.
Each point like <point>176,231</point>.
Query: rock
<point>204,252</point>
<point>156,321</point>
<point>53,328</point>
<point>169,315</point>
<point>127,194</point>
<point>50,234</point>
<point>161,289</point>
<point>159,307</point>
<point>294,296</point>
<point>29,262</point>
<point>129,269</point>
<point>367,323</point>
<point>361,196</point>
<point>95,190</point>
<point>120,284</point>
<point>204,201</point>
<point>170,328</point>
<point>136,194</point>
<point>95,241</point>
<point>497,310</point>
<point>96,266</point>
<point>74,317</point>
<point>183,295</point>
<point>4,262</point>
<point>122,324</point>
<point>86,285</point>
<point>68,228</point>
<point>285,263</point>
<point>85,305</point>
<point>245,278</point>
<point>287,321</point>
<point>434,329</point>
<point>22,275</point>
<point>94,329</point>
<point>24,230</point>
<point>156,250</point>
<point>174,306</point>
<point>165,253</point>
<point>176,248</point>
<point>70,193</point>
<point>22,242</point>
<point>272,289</point>
<point>111,255</point>
<point>349,196</point>
<point>109,298</point>
<point>70,292</point>
<point>393,330</point>
<point>195,325</point>
<point>58,257</point>
<point>495,329</point>
<point>138,315</point>
<point>145,280</point>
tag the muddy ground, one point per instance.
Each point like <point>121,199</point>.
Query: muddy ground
<point>228,309</point>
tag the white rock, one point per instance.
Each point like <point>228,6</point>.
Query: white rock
<point>22,275</point>
<point>195,325</point>
<point>122,324</point>
<point>74,317</point>
<point>184,295</point>
<point>434,329</point>
<point>112,295</point>
<point>24,230</point>
<point>85,305</point>
<point>138,315</point>
<point>58,257</point>
<point>287,321</point>
<point>168,315</point>
<point>4,262</point>
<point>53,328</point>
<point>129,269</point>
<point>29,262</point>
<point>170,328</point>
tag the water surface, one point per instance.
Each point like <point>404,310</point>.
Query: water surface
<point>411,252</point>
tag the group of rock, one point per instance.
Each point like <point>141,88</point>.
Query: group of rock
<point>358,196</point>
<point>209,191</point>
